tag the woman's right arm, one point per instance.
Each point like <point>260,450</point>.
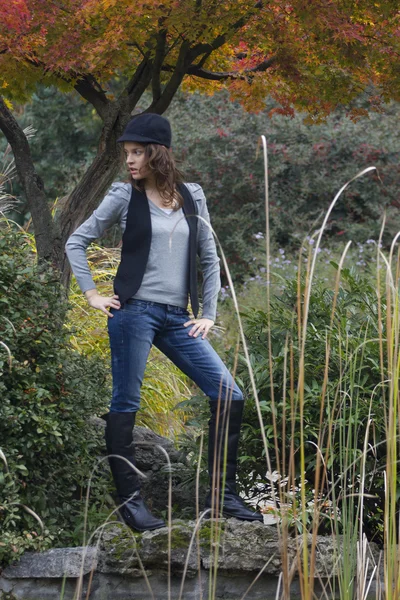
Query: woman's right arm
<point>111,210</point>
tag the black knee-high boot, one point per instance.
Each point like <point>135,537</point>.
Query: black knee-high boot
<point>226,501</point>
<point>119,441</point>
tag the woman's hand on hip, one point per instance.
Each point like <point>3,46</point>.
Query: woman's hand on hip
<point>200,326</point>
<point>102,302</point>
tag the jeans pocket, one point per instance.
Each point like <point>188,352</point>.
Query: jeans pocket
<point>113,323</point>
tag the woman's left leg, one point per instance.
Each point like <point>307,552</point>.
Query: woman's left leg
<point>199,361</point>
<point>131,331</point>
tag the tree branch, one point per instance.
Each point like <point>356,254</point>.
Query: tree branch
<point>134,80</point>
<point>87,86</point>
<point>90,90</point>
<point>203,60</point>
<point>214,76</point>
<point>137,85</point>
<point>179,71</point>
<point>220,40</point>
<point>157,63</point>
<point>246,74</point>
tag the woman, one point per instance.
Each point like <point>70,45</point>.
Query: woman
<point>165,225</point>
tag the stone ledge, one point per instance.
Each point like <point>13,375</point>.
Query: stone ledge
<point>55,563</point>
<point>242,551</point>
<point>242,548</point>
<point>104,587</point>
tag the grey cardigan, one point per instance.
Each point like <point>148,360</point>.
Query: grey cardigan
<point>113,209</point>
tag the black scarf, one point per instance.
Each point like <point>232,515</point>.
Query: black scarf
<point>136,242</point>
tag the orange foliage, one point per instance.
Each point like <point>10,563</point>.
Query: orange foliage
<point>322,53</point>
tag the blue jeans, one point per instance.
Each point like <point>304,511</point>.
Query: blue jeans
<point>139,324</point>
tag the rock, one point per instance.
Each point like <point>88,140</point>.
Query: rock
<point>55,563</point>
<point>119,549</point>
<point>330,555</point>
<point>247,546</point>
<point>154,548</point>
<point>129,564</point>
<point>156,485</point>
<point>149,454</point>
<point>240,547</point>
<point>118,553</point>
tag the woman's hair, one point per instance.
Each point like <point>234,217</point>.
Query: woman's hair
<point>161,162</point>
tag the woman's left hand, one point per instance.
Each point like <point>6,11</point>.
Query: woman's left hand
<point>200,326</point>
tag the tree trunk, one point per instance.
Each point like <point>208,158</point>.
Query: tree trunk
<point>83,200</point>
<point>50,234</point>
<point>44,226</point>
<point>95,182</point>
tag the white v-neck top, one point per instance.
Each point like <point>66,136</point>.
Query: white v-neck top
<point>166,278</point>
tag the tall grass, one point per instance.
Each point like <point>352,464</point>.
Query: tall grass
<point>390,376</point>
<point>345,496</point>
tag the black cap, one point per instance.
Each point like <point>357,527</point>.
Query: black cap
<point>148,128</point>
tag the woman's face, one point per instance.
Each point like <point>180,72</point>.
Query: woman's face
<point>136,160</point>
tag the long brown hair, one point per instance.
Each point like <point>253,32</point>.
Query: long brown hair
<point>167,176</point>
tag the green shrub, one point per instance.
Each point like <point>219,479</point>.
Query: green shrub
<point>48,393</point>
